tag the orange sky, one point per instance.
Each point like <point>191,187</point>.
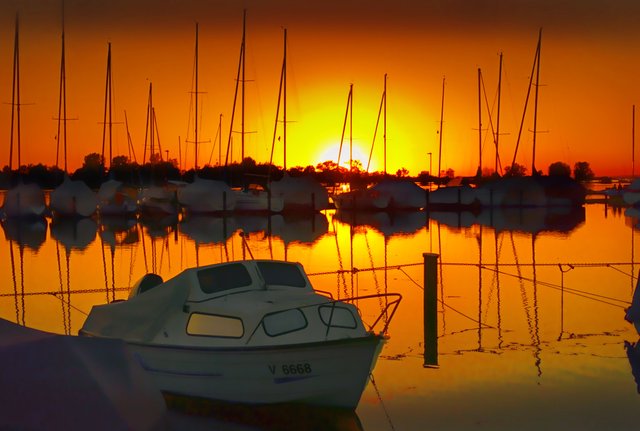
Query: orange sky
<point>589,74</point>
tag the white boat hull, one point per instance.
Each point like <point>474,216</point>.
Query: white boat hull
<point>332,373</point>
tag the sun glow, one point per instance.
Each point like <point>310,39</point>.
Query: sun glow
<point>330,152</point>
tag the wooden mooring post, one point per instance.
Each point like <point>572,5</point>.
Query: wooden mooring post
<point>430,310</point>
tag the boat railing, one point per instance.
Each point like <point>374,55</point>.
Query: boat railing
<point>388,310</point>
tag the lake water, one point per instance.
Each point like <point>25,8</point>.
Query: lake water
<point>530,320</point>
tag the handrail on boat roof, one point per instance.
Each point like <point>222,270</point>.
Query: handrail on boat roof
<point>394,303</point>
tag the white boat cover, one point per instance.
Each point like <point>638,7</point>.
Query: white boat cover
<point>73,198</point>
<point>206,196</point>
<point>300,193</point>
<point>24,200</point>
<point>404,194</point>
<point>61,382</point>
<point>144,317</point>
<point>108,190</point>
<point>453,195</point>
<point>113,199</point>
<point>515,191</point>
<point>141,317</point>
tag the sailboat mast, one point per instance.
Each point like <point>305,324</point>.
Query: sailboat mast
<point>535,107</point>
<point>633,141</point>
<point>497,140</point>
<point>384,125</point>
<point>351,129</point>
<point>62,104</point>
<point>107,109</point>
<point>284,107</point>
<point>440,133</point>
<point>479,172</point>
<point>244,55</point>
<point>15,97</point>
<point>220,141</point>
<point>344,123</point>
<point>195,164</point>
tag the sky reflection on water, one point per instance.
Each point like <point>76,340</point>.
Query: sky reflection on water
<point>531,328</point>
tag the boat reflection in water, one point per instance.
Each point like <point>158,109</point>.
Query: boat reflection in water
<point>387,223</point>
<point>74,233</point>
<point>26,232</point>
<point>200,414</point>
<point>632,315</point>
<point>530,220</point>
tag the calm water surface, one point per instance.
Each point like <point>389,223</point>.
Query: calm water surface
<point>531,330</point>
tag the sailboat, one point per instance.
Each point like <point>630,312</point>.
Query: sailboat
<point>404,194</point>
<point>299,194</point>
<point>357,199</point>
<point>155,201</point>
<point>23,200</point>
<point>253,197</point>
<point>113,198</point>
<point>535,190</point>
<point>71,198</point>
<point>204,195</point>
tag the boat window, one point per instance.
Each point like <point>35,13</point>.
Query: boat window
<point>284,322</point>
<point>223,277</point>
<point>282,274</point>
<point>215,326</point>
<point>337,316</point>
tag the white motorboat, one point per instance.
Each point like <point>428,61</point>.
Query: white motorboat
<point>251,332</point>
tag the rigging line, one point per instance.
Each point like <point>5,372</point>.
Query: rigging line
<point>21,248</point>
<point>375,276</point>
<point>493,130</point>
<point>576,292</point>
<point>68,304</point>
<point>628,274</point>
<point>104,268</point>
<point>41,293</point>
<point>444,304</point>
<point>68,292</point>
<point>384,408</point>
<point>576,265</point>
<point>15,282</point>
<point>64,310</point>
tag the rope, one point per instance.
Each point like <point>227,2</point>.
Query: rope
<point>384,408</point>
<point>588,295</point>
<point>575,265</point>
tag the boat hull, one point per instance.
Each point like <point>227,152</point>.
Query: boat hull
<point>331,373</point>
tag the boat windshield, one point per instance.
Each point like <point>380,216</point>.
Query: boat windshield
<point>224,277</point>
<point>281,274</point>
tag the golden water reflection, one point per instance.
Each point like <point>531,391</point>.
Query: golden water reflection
<point>530,318</point>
